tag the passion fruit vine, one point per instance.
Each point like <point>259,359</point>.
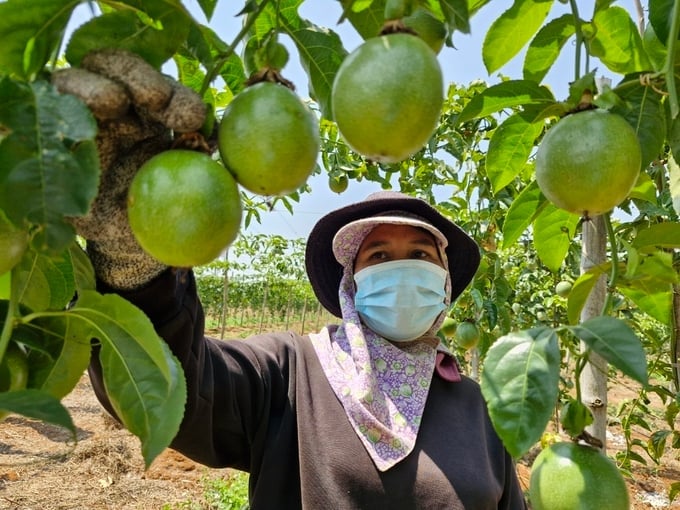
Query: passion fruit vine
<point>588,162</point>
<point>387,97</point>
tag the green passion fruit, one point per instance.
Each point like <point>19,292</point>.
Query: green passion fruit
<point>387,97</point>
<point>588,162</point>
<point>269,139</point>
<point>570,476</point>
<point>184,208</point>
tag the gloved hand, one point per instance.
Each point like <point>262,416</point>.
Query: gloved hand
<point>137,110</point>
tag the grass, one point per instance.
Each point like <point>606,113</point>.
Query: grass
<point>219,493</point>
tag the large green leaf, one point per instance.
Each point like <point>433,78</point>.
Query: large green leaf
<point>510,32</point>
<point>660,17</point>
<point>126,29</point>
<point>520,383</point>
<point>644,111</point>
<point>546,47</point>
<point>456,14</point>
<point>617,42</point>
<point>507,94</point>
<point>320,50</point>
<point>581,290</point>
<point>143,380</point>
<point>616,342</point>
<point>649,284</point>
<point>30,32</point>
<point>44,283</point>
<point>554,230</point>
<point>49,165</point>
<point>509,149</point>
<point>659,235</point>
<point>59,352</point>
<point>367,18</point>
<point>522,212</point>
<point>38,405</point>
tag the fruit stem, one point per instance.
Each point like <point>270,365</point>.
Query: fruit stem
<point>8,325</point>
<point>224,56</point>
<point>614,254</point>
<point>579,39</point>
<point>669,65</point>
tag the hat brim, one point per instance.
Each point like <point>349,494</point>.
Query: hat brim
<point>325,272</point>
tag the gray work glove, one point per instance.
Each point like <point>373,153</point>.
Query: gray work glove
<point>137,110</point>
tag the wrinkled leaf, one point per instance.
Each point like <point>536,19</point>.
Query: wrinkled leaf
<point>507,94</point>
<point>143,380</point>
<point>546,47</point>
<point>554,230</point>
<point>616,342</point>
<point>49,165</point>
<point>520,385</point>
<point>38,405</point>
<point>510,32</point>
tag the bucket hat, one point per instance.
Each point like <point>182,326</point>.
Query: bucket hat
<point>325,272</point>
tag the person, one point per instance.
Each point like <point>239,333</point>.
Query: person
<point>369,413</point>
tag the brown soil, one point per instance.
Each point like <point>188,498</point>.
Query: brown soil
<point>39,469</point>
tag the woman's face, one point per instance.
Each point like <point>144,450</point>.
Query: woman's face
<point>388,242</point>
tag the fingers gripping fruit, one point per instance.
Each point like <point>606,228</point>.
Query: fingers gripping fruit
<point>137,110</point>
<point>269,139</point>
<point>387,97</point>
<point>184,208</point>
<point>588,162</point>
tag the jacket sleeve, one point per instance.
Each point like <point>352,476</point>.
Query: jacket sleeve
<point>233,387</point>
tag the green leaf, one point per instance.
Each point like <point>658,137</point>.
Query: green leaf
<point>522,212</point>
<point>660,17</point>
<point>616,342</point>
<point>143,380</point>
<point>320,50</point>
<point>155,40</point>
<point>510,32</point>
<point>38,405</point>
<point>649,285</point>
<point>509,149</point>
<point>44,283</point>
<point>617,42</point>
<point>59,352</point>
<point>456,15</point>
<point>644,111</point>
<point>520,385</point>
<point>554,230</point>
<point>546,47</point>
<point>644,189</point>
<point>49,167</point>
<point>582,288</point>
<point>30,33</point>
<point>660,235</point>
<point>507,94</point>
<point>674,180</point>
<point>367,18</point>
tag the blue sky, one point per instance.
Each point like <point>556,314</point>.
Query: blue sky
<point>461,64</point>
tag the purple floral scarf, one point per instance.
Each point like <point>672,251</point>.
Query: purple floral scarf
<point>382,387</point>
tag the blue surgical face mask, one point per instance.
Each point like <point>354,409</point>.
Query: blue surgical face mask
<point>401,299</point>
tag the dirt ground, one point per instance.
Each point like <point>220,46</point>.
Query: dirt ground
<point>39,469</point>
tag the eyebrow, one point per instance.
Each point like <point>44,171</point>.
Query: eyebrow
<point>425,240</point>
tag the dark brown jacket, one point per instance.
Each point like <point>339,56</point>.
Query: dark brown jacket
<point>263,405</point>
